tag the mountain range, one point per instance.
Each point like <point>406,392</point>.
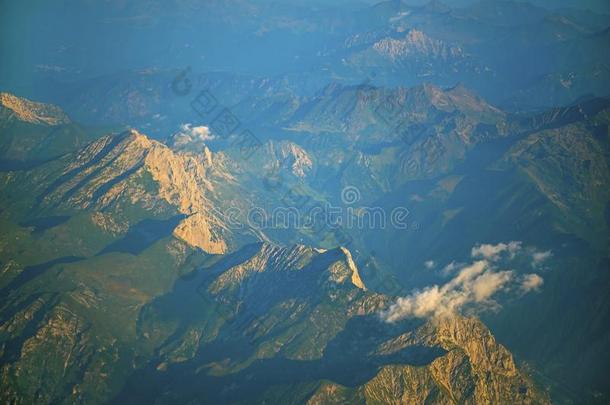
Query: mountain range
<point>304,202</point>
<point>126,238</point>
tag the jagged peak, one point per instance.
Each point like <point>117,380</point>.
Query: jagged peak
<point>458,97</point>
<point>110,170</point>
<point>135,139</point>
<point>479,343</point>
<point>355,278</point>
<point>33,112</point>
<point>142,139</point>
<point>135,133</point>
<point>286,152</point>
<point>258,258</point>
<point>416,41</point>
<point>470,100</point>
<point>336,264</point>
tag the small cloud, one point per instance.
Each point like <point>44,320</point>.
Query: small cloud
<point>468,272</point>
<point>538,257</point>
<point>472,286</point>
<point>493,252</point>
<point>430,264</point>
<point>190,136</point>
<point>531,282</point>
<point>488,283</point>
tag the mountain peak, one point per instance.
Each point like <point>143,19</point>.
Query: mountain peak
<point>131,169</point>
<point>355,278</point>
<point>417,42</point>
<point>458,97</point>
<point>30,111</point>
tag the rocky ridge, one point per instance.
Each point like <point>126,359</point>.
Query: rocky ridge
<point>30,111</point>
<point>120,171</point>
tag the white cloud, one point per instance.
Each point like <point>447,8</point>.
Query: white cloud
<point>493,252</point>
<point>468,273</point>
<point>531,282</point>
<point>190,135</point>
<point>430,264</point>
<point>488,283</point>
<point>474,285</point>
<point>471,289</point>
<point>538,257</point>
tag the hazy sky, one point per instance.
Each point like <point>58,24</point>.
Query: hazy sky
<point>596,5</point>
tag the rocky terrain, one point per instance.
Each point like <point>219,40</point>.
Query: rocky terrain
<point>305,201</point>
<point>120,282</point>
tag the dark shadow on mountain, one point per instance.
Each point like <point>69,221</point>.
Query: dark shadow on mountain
<point>143,234</point>
<point>104,188</point>
<point>31,272</point>
<point>350,359</point>
<point>42,224</point>
<point>186,303</point>
<point>116,139</point>
<point>11,350</point>
<point>10,165</point>
<point>582,109</point>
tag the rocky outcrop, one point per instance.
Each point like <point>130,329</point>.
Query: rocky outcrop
<point>273,259</point>
<point>295,157</point>
<point>474,369</point>
<point>128,170</point>
<point>32,133</point>
<point>417,44</point>
<point>30,111</point>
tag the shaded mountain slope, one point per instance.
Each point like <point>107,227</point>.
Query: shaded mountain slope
<point>311,335</point>
<point>33,133</point>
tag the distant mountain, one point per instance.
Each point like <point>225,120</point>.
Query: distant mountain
<point>31,112</point>
<point>36,132</point>
<point>515,54</point>
<point>411,53</point>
